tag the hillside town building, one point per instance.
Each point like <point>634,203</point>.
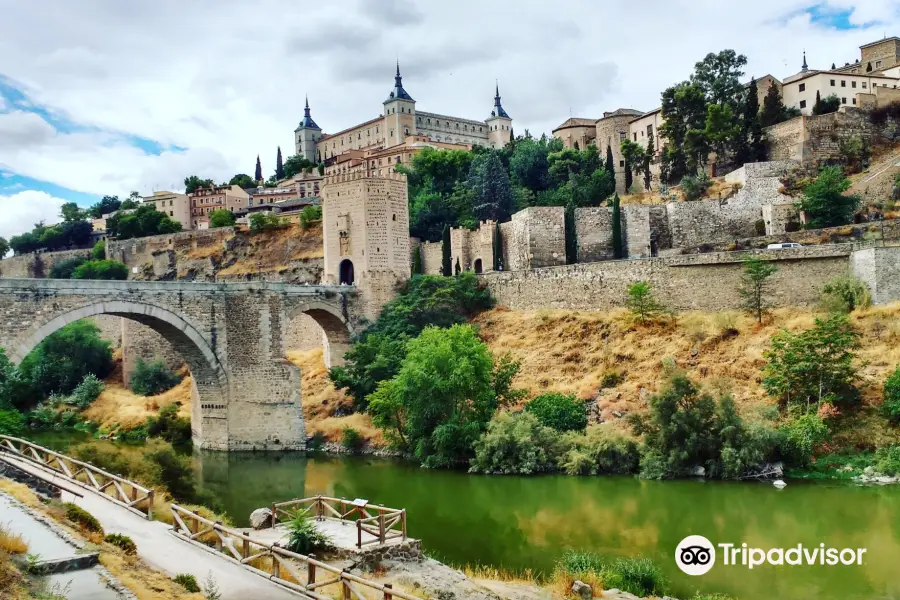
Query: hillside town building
<point>205,200</point>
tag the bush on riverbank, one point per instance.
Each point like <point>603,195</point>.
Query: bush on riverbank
<point>892,396</point>
<point>558,411</point>
<point>639,576</point>
<point>153,378</point>
<point>517,444</point>
<point>169,426</point>
<point>602,451</point>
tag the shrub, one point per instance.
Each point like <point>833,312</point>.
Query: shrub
<point>727,324</point>
<point>85,392</point>
<point>352,440</point>
<point>169,426</point>
<point>82,518</point>
<point>304,538</point>
<point>263,221</point>
<point>638,576</point>
<point>309,215</point>
<point>121,541</point>
<point>559,411</point>
<point>65,269</point>
<point>760,227</point>
<point>602,452</point>
<point>695,188</point>
<point>221,218</point>
<point>611,379</point>
<point>175,473</point>
<point>99,250</point>
<point>516,444</point>
<point>11,422</point>
<point>102,269</point>
<point>887,460</point>
<point>814,366</point>
<point>642,303</point>
<point>150,379</point>
<point>844,295</point>
<point>891,396</point>
<point>188,582</point>
<point>824,201</point>
<point>800,436</point>
<point>316,441</point>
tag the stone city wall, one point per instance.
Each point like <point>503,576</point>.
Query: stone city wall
<point>38,264</point>
<point>159,251</point>
<point>707,282</point>
<point>468,246</point>
<point>432,257</point>
<point>815,140</point>
<point>879,268</point>
<point>593,234</point>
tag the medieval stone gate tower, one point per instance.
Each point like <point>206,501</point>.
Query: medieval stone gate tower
<point>366,236</point>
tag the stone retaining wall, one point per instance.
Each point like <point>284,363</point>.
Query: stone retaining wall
<point>38,264</point>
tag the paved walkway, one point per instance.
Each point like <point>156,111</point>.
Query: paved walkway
<point>164,552</point>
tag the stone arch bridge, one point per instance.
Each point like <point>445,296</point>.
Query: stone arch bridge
<point>246,395</point>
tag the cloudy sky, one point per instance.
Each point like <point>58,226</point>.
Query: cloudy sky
<point>104,96</point>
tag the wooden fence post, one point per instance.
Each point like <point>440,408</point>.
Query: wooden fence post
<point>150,505</point>
<point>276,566</point>
<point>218,538</point>
<point>245,550</point>
<point>274,519</point>
<point>310,570</point>
<point>345,588</point>
<point>359,534</point>
<point>387,591</point>
<point>380,527</point>
<point>403,522</point>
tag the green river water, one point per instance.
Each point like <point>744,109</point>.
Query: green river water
<point>528,522</point>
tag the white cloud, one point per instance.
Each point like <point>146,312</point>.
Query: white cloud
<point>23,209</point>
<point>227,79</point>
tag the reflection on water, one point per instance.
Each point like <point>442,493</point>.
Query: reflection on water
<point>520,523</point>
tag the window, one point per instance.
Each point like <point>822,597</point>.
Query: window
<point>853,84</point>
<point>802,87</point>
<point>832,83</point>
<point>635,137</point>
<point>864,84</point>
<point>621,163</point>
<point>803,104</point>
<point>854,101</point>
<point>843,83</point>
<point>621,136</point>
<point>843,101</point>
<point>878,64</point>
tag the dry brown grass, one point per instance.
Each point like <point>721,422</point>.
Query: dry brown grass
<point>321,401</point>
<point>270,251</point>
<point>569,352</point>
<point>20,492</point>
<point>11,543</point>
<point>143,581</point>
<point>118,405</point>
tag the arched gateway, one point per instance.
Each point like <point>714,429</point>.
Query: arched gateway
<point>246,396</point>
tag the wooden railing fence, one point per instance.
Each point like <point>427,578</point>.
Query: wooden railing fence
<point>295,571</point>
<point>123,492</point>
<point>379,522</point>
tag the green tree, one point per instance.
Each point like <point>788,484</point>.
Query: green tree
<point>310,215</point>
<point>824,202</point>
<point>719,75</point>
<point>70,212</point>
<point>444,390</point>
<point>559,411</point>
<point>101,269</point>
<point>417,268</point>
<point>98,252</point>
<point>258,176</point>
<point>634,156</point>
<point>684,108</point>
<point>891,395</point>
<point>528,165</point>
<point>490,181</point>
<point>60,362</point>
<point>4,247</point>
<point>107,205</point>
<point>827,105</point>
<point>65,269</point>
<point>610,164</point>
<point>153,378</point>
<point>751,126</point>
<point>24,243</point>
<point>193,183</point>
<point>649,152</point>
<point>296,164</point>
<point>814,366</point>
<point>143,221</point>
<point>457,268</point>
<point>221,218</point>
<point>618,245</point>
<point>446,268</point>
<point>641,302</point>
<point>755,286</point>
<point>279,166</point>
<point>517,444</point>
<point>261,221</point>
<point>774,111</point>
<point>571,235</point>
<point>243,181</point>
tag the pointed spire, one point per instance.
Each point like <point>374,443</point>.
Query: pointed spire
<point>805,67</point>
<point>398,91</point>
<point>307,121</point>
<point>498,108</point>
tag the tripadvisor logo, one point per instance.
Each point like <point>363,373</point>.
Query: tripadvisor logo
<point>696,555</point>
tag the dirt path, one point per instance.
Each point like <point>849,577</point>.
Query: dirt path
<point>162,551</point>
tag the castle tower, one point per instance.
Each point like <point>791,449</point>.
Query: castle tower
<point>399,113</point>
<point>499,124</point>
<point>306,135</point>
<point>365,222</point>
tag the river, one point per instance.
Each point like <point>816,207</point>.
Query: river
<point>528,522</point>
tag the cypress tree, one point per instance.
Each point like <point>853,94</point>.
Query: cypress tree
<point>258,176</point>
<point>498,248</point>
<point>458,269</point>
<point>773,111</point>
<point>629,177</point>
<point>752,127</point>
<point>617,228</point>
<point>571,235</point>
<point>279,166</point>
<point>610,165</point>
<point>817,107</point>
<point>648,157</point>
<point>446,268</point>
<point>417,268</point>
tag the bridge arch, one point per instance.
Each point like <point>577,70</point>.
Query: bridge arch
<point>207,372</point>
<point>337,329</point>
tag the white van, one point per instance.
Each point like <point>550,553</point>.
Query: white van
<point>783,246</point>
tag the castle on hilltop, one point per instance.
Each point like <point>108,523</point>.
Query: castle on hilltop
<point>374,146</point>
